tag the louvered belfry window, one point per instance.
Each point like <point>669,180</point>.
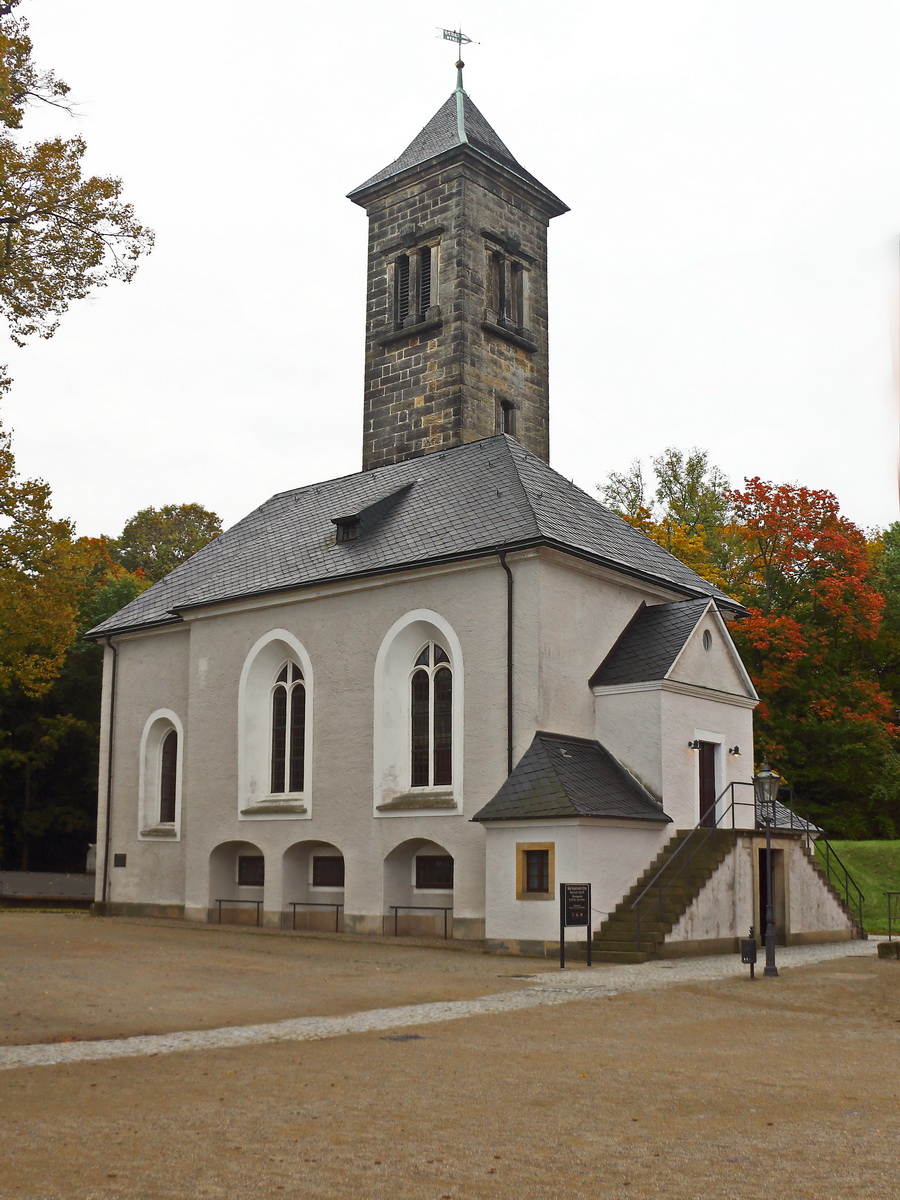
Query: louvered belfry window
<point>402,288</point>
<point>288,730</point>
<point>431,713</point>
<point>424,281</point>
<point>168,774</point>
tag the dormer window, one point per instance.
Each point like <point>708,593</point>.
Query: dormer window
<point>346,528</point>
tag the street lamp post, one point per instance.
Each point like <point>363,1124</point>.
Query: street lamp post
<point>765,786</point>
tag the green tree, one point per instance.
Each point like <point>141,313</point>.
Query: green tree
<point>40,573</point>
<point>61,233</point>
<point>687,511</point>
<point>49,742</point>
<point>157,540</point>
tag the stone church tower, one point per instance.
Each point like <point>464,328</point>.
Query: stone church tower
<point>456,318</point>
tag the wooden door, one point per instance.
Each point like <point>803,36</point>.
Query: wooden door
<point>707,784</point>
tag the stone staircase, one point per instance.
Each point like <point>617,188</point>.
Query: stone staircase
<point>858,932</point>
<point>618,941</point>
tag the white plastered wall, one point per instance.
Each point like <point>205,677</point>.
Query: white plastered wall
<point>609,855</point>
<point>151,676</point>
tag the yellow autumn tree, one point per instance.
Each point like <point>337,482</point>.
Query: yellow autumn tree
<point>41,575</point>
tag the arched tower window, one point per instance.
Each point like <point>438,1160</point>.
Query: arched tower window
<point>431,718</point>
<point>288,741</point>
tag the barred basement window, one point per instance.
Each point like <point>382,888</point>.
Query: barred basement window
<point>251,870</point>
<point>288,730</point>
<point>434,871</point>
<point>431,709</point>
<point>328,870</point>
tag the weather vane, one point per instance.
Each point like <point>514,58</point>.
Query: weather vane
<point>456,35</point>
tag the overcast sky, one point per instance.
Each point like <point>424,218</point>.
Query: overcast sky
<point>727,278</point>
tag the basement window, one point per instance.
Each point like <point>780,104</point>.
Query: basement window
<point>251,870</point>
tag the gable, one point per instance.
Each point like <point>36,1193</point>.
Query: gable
<point>683,642</point>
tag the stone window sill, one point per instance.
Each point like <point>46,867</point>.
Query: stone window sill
<point>265,808</point>
<point>417,801</point>
<point>160,831</point>
<point>431,324</point>
<point>518,337</point>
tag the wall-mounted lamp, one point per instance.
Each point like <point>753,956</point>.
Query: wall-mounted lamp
<point>694,745</point>
<point>735,751</point>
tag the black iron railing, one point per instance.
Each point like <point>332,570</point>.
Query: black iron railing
<point>840,878</point>
<point>893,902</point>
<point>649,905</point>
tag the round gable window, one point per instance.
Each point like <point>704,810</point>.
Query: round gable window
<point>707,639</point>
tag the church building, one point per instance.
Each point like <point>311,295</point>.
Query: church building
<point>418,698</point>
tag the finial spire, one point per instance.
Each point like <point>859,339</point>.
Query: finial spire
<point>456,35</point>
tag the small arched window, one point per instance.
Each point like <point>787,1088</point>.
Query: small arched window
<point>431,713</point>
<point>168,778</point>
<point>288,748</point>
<point>159,782</point>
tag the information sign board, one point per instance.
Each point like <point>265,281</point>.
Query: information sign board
<point>574,910</point>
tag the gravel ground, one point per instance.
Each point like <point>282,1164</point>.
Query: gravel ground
<point>397,1071</point>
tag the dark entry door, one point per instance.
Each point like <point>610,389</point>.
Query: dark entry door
<point>707,784</point>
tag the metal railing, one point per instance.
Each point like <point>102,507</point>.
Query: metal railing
<point>840,878</point>
<point>652,896</point>
<point>651,899</point>
<point>397,908</point>
<point>893,901</point>
<point>257,903</point>
<point>295,904</point>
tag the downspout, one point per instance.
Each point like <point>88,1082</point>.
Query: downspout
<point>109,767</point>
<point>501,554</point>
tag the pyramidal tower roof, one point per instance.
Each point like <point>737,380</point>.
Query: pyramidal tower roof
<point>458,123</point>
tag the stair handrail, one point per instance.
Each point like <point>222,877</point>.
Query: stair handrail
<point>689,846</point>
<point>853,901</point>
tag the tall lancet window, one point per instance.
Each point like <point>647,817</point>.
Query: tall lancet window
<point>288,730</point>
<point>168,778</point>
<point>431,717</point>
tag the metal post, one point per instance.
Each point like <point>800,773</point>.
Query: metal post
<point>770,968</point>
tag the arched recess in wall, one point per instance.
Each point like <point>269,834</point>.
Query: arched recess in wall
<point>426,710</point>
<point>159,779</point>
<point>275,729</point>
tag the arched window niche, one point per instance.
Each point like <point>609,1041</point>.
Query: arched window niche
<point>159,782</point>
<point>275,729</point>
<point>418,744</point>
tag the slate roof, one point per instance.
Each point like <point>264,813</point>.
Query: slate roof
<point>442,134</point>
<point>650,643</point>
<point>785,818</point>
<point>562,776</point>
<point>460,503</point>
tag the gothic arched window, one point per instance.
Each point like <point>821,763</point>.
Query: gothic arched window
<point>168,778</point>
<point>431,718</point>
<point>288,730</point>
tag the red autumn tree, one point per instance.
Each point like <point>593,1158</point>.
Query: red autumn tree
<point>804,573</point>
